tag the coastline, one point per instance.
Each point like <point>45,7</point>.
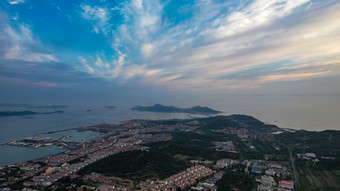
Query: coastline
<point>56,131</point>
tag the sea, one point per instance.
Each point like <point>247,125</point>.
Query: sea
<point>313,114</point>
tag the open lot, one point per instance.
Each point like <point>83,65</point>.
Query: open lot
<point>312,179</point>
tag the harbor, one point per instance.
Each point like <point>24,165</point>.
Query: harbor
<point>37,142</point>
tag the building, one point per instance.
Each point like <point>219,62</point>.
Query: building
<point>49,170</point>
<point>270,172</point>
<point>286,182</point>
<point>256,171</point>
<point>286,185</point>
<point>307,156</point>
<point>311,155</point>
<point>30,183</point>
<point>264,188</point>
<point>267,180</point>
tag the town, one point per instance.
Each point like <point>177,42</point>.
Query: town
<point>237,148</point>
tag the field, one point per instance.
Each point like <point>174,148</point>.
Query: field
<point>316,179</point>
<point>323,174</point>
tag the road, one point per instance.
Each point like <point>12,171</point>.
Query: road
<point>296,175</point>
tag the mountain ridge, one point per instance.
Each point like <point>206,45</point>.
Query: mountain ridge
<point>173,109</point>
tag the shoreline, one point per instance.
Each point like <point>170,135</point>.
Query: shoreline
<point>56,131</point>
<point>189,116</point>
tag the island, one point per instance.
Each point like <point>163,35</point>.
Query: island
<point>23,113</point>
<point>33,106</point>
<point>51,106</point>
<point>173,109</point>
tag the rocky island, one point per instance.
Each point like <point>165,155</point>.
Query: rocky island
<point>23,113</point>
<point>33,106</point>
<point>173,109</point>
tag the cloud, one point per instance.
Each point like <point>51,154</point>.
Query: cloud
<point>139,70</point>
<point>49,74</point>
<point>99,16</point>
<point>250,39</point>
<point>45,84</point>
<point>14,2</point>
<point>259,12</point>
<point>200,44</point>
<point>119,65</point>
<point>148,49</point>
<point>100,63</point>
<point>19,43</point>
<point>291,77</point>
<point>143,20</point>
<point>85,64</point>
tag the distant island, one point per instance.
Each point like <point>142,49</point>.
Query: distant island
<point>110,107</point>
<point>51,106</point>
<point>172,109</point>
<point>33,106</point>
<point>23,113</point>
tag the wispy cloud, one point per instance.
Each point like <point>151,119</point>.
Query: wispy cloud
<point>99,16</point>
<point>19,43</point>
<point>20,81</point>
<point>195,45</point>
<point>259,12</point>
<point>14,2</point>
<point>45,84</point>
<point>86,64</point>
<point>248,37</point>
<point>119,65</point>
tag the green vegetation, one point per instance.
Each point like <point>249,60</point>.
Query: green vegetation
<point>248,153</point>
<point>264,146</point>
<point>337,175</point>
<point>245,121</point>
<point>328,164</point>
<point>253,123</point>
<point>217,122</point>
<point>235,181</point>
<point>325,143</point>
<point>319,175</point>
<point>311,179</point>
<point>273,151</point>
<point>167,158</point>
<point>164,158</point>
<point>316,177</point>
<point>137,165</point>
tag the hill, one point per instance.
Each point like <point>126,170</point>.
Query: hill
<point>23,113</point>
<point>172,109</point>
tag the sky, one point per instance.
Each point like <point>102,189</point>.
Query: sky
<point>172,51</point>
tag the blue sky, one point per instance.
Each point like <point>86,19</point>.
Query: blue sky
<point>153,48</point>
